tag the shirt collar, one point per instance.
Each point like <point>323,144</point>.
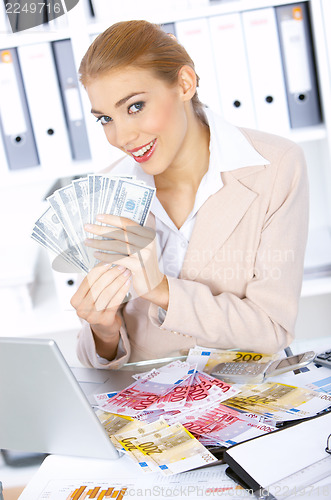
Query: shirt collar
<point>229,148</point>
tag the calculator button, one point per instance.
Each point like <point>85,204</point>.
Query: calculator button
<point>323,356</point>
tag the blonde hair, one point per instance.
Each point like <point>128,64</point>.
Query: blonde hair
<point>141,44</point>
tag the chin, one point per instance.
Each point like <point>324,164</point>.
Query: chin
<point>152,169</point>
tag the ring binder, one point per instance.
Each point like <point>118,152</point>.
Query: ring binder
<point>15,123</point>
<point>296,47</point>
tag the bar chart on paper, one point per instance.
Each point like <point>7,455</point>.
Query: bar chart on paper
<point>83,490</point>
<point>193,484</point>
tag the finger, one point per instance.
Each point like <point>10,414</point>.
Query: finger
<point>87,282</point>
<point>112,227</point>
<point>116,220</point>
<point>112,295</point>
<point>118,247</point>
<point>120,295</point>
<point>113,258</point>
<point>104,282</point>
<point>132,262</point>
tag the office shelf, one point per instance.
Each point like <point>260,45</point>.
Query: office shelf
<point>79,26</point>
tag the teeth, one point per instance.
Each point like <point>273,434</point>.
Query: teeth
<point>143,150</point>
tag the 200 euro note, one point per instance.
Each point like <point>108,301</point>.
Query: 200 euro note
<point>128,441</point>
<point>116,423</point>
<point>278,400</point>
<point>174,450</point>
<point>207,358</point>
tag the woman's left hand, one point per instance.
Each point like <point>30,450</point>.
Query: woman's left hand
<point>132,246</point>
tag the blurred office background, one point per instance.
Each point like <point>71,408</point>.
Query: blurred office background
<point>263,64</point>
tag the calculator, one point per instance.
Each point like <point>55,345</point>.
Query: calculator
<point>245,372</point>
<point>240,372</point>
<point>324,358</point>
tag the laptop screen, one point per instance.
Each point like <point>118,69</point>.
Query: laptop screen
<point>43,409</point>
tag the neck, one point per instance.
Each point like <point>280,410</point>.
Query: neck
<point>192,162</point>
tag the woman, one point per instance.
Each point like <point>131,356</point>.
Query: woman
<point>223,247</point>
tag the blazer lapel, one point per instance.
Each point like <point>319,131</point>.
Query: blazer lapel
<point>216,220</point>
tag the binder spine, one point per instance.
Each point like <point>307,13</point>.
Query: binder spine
<point>15,123</point>
<point>297,51</point>
<point>232,69</point>
<point>72,104</point>
<point>266,71</point>
<point>44,99</point>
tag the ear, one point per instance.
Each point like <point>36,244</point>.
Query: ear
<point>187,82</point>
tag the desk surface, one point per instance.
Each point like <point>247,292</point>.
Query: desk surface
<point>78,469</point>
<point>73,472</point>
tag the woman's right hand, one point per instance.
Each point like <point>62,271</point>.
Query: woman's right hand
<point>97,301</point>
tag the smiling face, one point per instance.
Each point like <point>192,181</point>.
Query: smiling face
<point>143,116</point>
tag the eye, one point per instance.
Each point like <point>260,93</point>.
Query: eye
<point>136,107</point>
<point>104,119</point>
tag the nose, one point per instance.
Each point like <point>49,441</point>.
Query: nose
<point>125,135</point>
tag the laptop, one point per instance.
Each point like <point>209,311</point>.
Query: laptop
<point>44,409</point>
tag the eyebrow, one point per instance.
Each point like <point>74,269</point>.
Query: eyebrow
<point>120,102</point>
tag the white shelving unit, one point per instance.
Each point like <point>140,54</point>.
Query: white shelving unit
<point>79,27</point>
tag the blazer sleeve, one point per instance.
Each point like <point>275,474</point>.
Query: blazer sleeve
<point>86,351</point>
<point>264,319</point>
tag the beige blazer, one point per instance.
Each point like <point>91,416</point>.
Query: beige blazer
<point>241,279</point>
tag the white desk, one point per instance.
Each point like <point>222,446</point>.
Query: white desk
<point>123,472</point>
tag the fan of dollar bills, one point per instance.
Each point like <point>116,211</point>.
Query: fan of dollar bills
<point>60,229</point>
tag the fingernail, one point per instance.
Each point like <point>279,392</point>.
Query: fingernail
<point>100,217</point>
<point>127,272</point>
<point>88,227</point>
<point>120,268</point>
